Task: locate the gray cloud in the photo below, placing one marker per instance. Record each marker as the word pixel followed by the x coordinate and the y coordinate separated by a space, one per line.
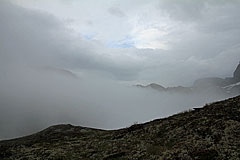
pixel 37 38
pixel 184 10
pixel 40 39
pixel 192 11
pixel 116 12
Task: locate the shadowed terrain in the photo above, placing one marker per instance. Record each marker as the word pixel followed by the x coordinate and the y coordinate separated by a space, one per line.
pixel 211 132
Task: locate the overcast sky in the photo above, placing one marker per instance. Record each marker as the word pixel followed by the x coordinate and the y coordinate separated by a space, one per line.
pixel 171 42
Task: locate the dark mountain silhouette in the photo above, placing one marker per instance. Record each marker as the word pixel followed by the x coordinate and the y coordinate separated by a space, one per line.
pixel 152 86
pixel 236 74
pixel 208 133
pixel 229 86
pixel 178 89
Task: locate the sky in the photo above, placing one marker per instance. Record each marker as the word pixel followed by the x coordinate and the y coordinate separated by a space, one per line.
pixel 74 61
pixel 171 42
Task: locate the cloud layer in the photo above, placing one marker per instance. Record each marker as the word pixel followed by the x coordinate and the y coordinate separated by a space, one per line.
pixel 155 40
pixel 68 63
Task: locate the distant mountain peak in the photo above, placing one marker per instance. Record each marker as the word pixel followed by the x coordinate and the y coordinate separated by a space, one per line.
pixel 236 74
pixel 152 86
pixel 229 86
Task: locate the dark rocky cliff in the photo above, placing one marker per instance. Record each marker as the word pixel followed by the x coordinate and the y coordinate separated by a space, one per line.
pixel 236 74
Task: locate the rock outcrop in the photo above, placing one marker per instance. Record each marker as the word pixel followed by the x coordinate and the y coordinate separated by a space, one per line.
pixel 236 74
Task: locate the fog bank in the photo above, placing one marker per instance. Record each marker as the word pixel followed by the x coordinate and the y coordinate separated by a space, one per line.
pixel 35 98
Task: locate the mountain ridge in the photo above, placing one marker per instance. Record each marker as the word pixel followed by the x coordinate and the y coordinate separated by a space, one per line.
pixel 216 83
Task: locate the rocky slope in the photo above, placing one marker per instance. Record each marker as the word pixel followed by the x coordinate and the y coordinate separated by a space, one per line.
pixel 211 132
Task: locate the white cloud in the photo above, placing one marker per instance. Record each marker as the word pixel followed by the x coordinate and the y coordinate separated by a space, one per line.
pixel 149 38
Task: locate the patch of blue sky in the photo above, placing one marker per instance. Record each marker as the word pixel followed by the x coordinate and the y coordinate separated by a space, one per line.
pixel 89 36
pixel 127 42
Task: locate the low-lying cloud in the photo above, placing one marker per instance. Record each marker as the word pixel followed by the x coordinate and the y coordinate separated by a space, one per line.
pixel 32 99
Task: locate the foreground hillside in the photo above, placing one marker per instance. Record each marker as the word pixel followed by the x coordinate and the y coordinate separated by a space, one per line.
pixel 211 132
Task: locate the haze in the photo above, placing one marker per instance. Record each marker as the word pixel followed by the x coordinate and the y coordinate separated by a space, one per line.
pixel 77 61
